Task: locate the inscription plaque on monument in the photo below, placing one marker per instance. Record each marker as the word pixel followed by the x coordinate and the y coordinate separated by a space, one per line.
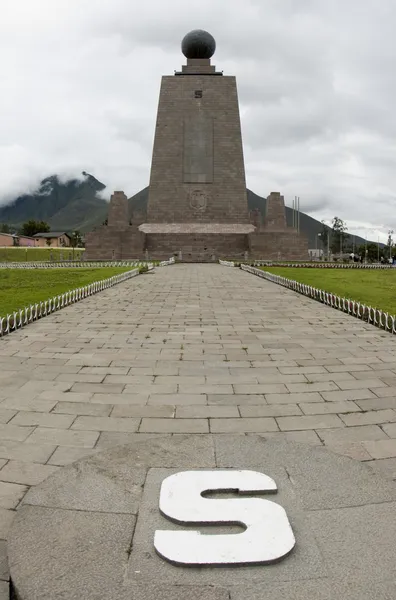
pixel 198 149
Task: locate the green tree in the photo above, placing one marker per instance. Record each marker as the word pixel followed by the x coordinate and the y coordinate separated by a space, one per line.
pixel 30 228
pixel 48 242
pixel 324 236
pixel 76 239
pixel 4 228
pixel 372 254
pixel 338 231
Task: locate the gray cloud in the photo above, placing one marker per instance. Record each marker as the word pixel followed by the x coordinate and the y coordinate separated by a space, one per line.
pixel 315 79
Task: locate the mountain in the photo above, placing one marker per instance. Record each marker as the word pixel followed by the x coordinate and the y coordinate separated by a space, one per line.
pixel 76 205
pixel 65 206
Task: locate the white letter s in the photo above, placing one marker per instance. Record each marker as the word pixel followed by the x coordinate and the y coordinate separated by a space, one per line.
pixel 268 536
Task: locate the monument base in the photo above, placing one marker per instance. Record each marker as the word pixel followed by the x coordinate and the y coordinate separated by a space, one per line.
pixel 113 243
pixel 198 241
pixel 285 244
pixel 89 530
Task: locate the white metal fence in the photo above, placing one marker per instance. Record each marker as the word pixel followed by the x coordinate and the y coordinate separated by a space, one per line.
pixel 375 316
pixel 73 265
pixel 165 263
pixel 319 265
pixel 227 263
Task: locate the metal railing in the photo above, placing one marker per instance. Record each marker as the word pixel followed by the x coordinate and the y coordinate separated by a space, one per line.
pixel 227 263
pixel 320 265
pixel 73 264
pixel 371 315
pixel 165 263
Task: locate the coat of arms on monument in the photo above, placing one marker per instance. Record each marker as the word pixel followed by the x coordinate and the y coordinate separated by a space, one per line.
pixel 198 200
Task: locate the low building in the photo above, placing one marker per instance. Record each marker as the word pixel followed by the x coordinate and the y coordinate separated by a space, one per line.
pixel 53 239
pixel 7 240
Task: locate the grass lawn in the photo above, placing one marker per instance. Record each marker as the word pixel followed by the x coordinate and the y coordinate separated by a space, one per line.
pixel 372 287
pixel 20 254
pixel 20 288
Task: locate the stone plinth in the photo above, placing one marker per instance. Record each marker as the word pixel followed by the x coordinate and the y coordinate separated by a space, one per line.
pixel 278 245
pixel 274 240
pixel 118 211
pixel 88 531
pixel 117 240
pixel 275 218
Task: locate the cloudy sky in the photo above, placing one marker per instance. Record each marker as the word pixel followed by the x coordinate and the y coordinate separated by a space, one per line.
pixel 316 80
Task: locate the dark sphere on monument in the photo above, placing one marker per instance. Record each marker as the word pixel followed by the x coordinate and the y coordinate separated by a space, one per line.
pixel 198 44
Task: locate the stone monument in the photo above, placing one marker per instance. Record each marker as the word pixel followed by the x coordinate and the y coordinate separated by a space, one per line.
pixel 197 203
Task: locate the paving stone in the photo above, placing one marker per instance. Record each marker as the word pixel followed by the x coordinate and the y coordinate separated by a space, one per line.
pixel 386 392
pixel 204 412
pixel 377 403
pixel 352 434
pixel 151 388
pixel 25 452
pixel 81 378
pixel 110 439
pixel 320 589
pixel 309 387
pixel 176 399
pixel 65 456
pixel 136 411
pixel 126 399
pixel 309 422
pixel 241 425
pixel 99 388
pixel 355 450
pixel 294 398
pixel 362 383
pixel 14 433
pixel 174 426
pixel 64 437
pixel 373 417
pixel 11 494
pixel 303 437
pixel 4 571
pixel 390 430
pixel 25 473
pixel 6 519
pixel 306 466
pixel 236 399
pixel 34 404
pixel 25 418
pixel 274 410
pixel 88 548
pixel 348 368
pixel 324 408
pixel 385 467
pixel 83 408
pixel 6 414
pixel 367 533
pixel 347 395
pixel 333 377
pixel 106 424
pixel 261 388
pixel 4 590
pixel 381 448
pixel 65 396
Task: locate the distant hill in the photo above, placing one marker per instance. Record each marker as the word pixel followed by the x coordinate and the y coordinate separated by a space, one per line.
pixel 76 205
pixel 65 206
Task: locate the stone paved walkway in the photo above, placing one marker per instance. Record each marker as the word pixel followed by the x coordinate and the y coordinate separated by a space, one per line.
pixel 191 349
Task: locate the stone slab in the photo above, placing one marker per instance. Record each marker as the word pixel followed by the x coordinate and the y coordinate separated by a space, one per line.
pixel 75 534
